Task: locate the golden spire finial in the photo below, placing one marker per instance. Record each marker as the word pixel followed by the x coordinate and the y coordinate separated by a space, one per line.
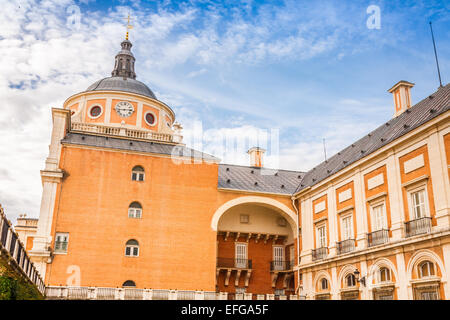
pixel 129 26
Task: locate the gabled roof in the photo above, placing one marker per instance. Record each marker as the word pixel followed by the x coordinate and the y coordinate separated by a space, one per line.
pixel 135 145
pixel 422 112
pixel 234 177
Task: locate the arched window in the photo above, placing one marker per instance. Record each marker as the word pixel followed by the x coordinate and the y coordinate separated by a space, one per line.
pixel 350 280
pixel 135 210
pixel 426 269
pixel 324 284
pixel 129 283
pixel 132 248
pixel 137 174
pixel 384 275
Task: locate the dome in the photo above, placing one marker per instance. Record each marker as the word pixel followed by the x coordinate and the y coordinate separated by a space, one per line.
pixel 122 84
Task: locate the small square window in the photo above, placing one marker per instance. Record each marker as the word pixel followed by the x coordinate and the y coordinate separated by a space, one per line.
pixel 61 242
pixel 281 222
pixel 245 218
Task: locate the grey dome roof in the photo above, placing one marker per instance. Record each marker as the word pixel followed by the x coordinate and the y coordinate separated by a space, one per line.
pixel 122 84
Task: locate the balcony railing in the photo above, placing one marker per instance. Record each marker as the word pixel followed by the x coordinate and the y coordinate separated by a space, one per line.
pixel 320 253
pixel 345 246
pixel 234 263
pixel 281 265
pixel 377 237
pixel 98 293
pixel 418 226
pixel 124 132
pixel 12 247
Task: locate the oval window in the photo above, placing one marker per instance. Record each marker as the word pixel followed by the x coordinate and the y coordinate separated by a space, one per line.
pixel 95 111
pixel 150 118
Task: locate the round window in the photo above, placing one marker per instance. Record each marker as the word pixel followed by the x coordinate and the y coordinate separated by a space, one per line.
pixel 150 118
pixel 95 111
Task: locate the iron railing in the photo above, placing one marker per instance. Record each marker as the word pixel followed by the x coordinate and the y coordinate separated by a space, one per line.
pixel 418 226
pixel 345 246
pixel 377 237
pixel 320 253
pixel 234 263
pixel 281 265
pixel 11 246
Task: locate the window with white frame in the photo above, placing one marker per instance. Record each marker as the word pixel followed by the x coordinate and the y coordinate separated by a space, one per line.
pixel 418 203
pixel 241 255
pixel 135 210
pixel 244 218
pixel 61 242
pixel 137 174
pixel 321 232
pixel 323 284
pixel 384 275
pixel 347 227
pixel 278 257
pixel 350 281
pixel 132 248
pixel 426 269
pixel 378 216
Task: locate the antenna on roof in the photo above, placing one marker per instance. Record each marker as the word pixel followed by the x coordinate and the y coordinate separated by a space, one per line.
pixel 324 149
pixel 435 55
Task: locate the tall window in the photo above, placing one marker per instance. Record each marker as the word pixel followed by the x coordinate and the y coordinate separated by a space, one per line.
pixel 137 174
pixel 418 204
pixel 132 248
pixel 384 275
pixel 324 284
pixel 135 210
pixel 426 269
pixel 350 280
pixel 321 236
pixel 241 255
pixel 347 227
pixel 278 257
pixel 378 217
pixel 61 242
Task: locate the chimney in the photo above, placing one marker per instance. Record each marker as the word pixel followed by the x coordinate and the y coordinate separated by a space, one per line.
pixel 256 156
pixel 402 96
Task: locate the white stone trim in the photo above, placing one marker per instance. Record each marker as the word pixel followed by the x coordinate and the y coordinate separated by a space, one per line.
pixel 282 209
pixel 375 181
pixel 414 163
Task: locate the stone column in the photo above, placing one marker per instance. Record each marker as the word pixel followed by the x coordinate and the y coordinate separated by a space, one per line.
pixel 395 196
pixel 438 168
pixel 51 176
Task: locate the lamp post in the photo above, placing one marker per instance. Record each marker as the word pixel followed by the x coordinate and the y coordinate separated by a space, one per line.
pixel 361 280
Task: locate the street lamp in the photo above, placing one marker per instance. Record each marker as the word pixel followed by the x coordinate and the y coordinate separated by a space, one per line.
pixel 361 280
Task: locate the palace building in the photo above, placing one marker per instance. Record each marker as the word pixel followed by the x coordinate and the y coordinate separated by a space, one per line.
pixel 128 211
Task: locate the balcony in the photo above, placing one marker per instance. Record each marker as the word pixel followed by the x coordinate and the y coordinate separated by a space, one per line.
pixel 230 263
pixel 319 254
pixel 281 265
pixel 13 252
pixel 345 246
pixel 418 226
pixel 377 237
pixel 124 132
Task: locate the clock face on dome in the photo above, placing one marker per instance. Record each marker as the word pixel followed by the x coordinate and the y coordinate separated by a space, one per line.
pixel 124 109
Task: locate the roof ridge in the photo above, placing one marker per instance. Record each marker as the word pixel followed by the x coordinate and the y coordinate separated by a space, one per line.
pixel 251 167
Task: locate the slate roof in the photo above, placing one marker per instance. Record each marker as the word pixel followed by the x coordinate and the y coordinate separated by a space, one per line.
pixel 422 112
pixel 236 177
pixel 134 145
pixel 122 84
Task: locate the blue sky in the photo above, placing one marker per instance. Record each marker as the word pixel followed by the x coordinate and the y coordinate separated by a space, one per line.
pixel 310 69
